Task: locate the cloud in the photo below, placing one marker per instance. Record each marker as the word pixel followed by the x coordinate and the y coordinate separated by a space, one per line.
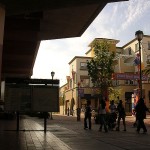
pixel 117 20
pixel 134 12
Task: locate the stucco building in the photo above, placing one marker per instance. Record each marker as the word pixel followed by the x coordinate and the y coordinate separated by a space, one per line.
pixel 79 88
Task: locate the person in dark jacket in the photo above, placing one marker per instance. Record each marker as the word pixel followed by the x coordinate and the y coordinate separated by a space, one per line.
pixel 121 115
pixel 87 116
pixel 140 110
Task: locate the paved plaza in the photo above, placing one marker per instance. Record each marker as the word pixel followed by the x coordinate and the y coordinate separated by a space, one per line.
pixel 66 133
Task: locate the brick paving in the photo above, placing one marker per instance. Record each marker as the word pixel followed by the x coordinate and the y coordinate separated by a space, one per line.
pixel 66 133
pixel 30 137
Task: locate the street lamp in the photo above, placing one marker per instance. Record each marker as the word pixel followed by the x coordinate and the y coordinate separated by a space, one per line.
pixel 78 109
pixel 139 36
pixel 52 75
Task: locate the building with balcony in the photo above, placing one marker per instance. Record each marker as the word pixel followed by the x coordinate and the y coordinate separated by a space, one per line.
pixel 79 87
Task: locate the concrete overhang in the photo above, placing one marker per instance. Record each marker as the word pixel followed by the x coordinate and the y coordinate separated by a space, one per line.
pixel 27 22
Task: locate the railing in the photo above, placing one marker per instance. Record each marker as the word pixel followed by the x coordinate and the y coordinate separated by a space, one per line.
pixel 128 64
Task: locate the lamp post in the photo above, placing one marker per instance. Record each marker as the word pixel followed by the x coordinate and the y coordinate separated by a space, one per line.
pixel 52 75
pixel 139 36
pixel 78 109
pixel 63 102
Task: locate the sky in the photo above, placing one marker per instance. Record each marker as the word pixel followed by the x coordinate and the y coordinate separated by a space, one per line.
pixel 119 20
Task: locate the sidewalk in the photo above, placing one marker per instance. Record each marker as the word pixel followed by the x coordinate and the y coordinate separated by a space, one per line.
pixel 65 133
pixel 30 137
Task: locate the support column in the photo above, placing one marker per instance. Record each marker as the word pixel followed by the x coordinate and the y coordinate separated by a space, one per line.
pixel 2 22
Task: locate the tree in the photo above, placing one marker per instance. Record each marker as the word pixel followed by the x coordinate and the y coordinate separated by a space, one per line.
pixel 146 71
pixel 114 94
pixel 100 68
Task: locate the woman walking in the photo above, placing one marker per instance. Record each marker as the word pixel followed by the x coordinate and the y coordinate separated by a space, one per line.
pixel 102 114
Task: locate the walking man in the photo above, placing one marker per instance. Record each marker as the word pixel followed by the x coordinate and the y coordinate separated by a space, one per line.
pixel 140 110
pixel 87 116
pixel 121 115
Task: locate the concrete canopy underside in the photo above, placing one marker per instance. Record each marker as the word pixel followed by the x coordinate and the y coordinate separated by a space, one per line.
pixel 27 22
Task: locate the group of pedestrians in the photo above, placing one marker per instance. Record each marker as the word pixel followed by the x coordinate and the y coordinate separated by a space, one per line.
pixel 117 112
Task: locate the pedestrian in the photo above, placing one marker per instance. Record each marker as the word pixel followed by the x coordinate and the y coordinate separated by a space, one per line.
pixel 112 116
pixel 102 115
pixel 87 116
pixel 68 111
pixel 121 115
pixel 140 110
pixel 134 114
pixel 112 107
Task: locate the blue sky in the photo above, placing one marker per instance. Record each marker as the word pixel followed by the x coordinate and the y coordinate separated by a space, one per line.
pixel 119 20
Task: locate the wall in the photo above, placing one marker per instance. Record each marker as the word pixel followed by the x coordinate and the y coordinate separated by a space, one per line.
pixel 2 20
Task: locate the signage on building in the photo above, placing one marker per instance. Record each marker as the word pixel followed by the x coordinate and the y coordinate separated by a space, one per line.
pixel 81 92
pixel 128 76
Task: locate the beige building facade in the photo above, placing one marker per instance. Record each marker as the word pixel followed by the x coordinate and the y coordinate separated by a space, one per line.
pixel 79 88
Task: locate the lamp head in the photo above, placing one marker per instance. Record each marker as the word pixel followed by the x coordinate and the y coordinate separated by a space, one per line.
pixel 139 35
pixel 52 73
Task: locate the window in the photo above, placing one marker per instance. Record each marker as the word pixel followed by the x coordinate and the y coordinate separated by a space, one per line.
pixel 136 82
pixel 148 79
pixel 148 45
pixel 70 83
pixel 148 60
pixel 126 81
pixel 129 51
pixel 129 82
pixel 115 82
pixel 136 47
pixel 83 65
pixel 149 95
pixel 85 81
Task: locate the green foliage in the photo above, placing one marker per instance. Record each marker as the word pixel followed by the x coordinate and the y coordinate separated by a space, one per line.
pixel 100 68
pixel 146 71
pixel 114 94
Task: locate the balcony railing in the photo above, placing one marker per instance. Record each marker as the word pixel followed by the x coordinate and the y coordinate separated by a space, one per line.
pixel 128 64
